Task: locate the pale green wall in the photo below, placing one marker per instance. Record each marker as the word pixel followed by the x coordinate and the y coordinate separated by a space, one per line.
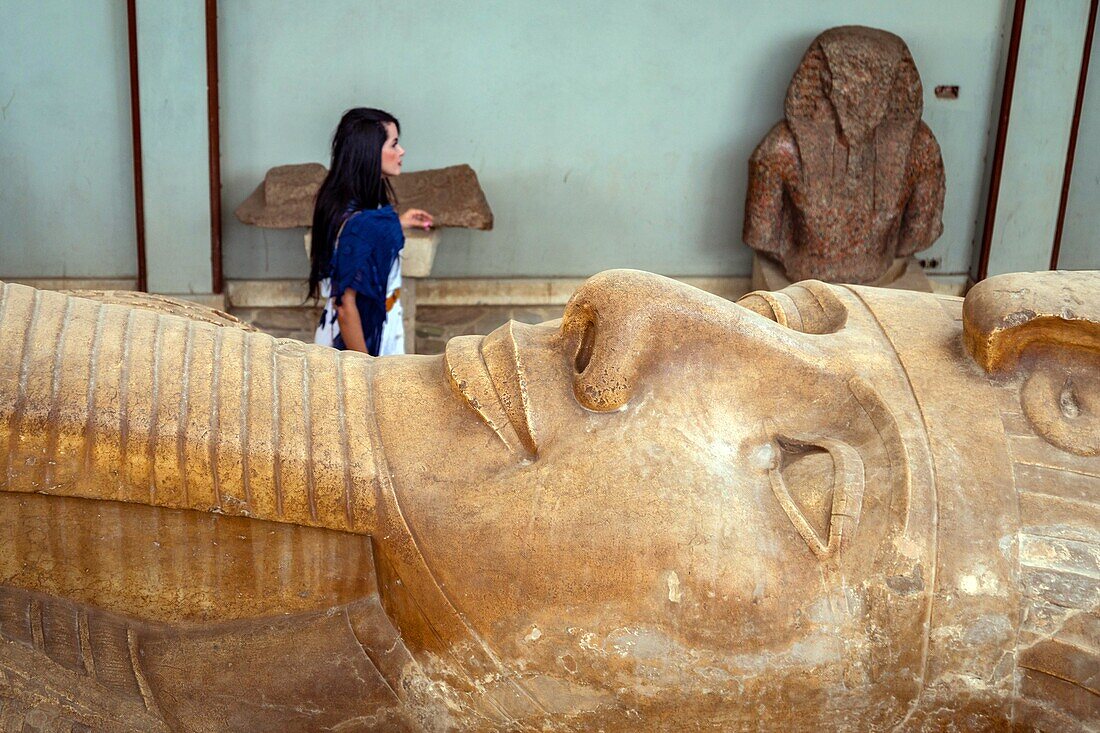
pixel 1038 135
pixel 66 177
pixel 611 134
pixel 1081 237
pixel 174 144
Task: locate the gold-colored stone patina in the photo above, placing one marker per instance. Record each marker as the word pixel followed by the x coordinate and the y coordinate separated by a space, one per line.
pixel 813 510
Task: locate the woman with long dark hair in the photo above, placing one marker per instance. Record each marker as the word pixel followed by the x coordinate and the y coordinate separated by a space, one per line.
pixel 357 237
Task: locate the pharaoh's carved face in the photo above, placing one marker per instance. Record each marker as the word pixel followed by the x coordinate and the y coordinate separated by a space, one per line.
pixel 665 511
pixel 665 482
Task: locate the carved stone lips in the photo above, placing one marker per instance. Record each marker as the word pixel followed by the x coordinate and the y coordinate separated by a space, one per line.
pixel 488 373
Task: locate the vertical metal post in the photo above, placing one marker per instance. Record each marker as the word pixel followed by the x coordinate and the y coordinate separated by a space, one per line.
pixel 214 136
pixel 135 129
pixel 1002 136
pixel 1071 151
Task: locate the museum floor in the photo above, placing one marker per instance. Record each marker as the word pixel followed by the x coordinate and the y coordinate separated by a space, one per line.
pixel 435 324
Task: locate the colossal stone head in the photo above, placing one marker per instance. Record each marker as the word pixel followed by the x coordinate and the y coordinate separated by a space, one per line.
pixel 852 178
pixel 828 507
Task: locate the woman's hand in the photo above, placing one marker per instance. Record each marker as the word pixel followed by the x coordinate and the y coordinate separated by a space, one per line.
pixel 416 219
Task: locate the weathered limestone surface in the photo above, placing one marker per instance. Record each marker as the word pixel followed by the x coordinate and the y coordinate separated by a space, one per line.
pixel 162 304
pixel 452 195
pixel 285 198
pixel 852 178
pixel 824 508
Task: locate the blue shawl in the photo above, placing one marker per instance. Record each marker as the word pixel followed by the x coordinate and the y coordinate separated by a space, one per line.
pixel 364 256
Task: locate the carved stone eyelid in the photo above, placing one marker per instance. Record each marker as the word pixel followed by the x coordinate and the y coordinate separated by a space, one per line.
pixel 770 305
pixel 847 503
pixel 807 307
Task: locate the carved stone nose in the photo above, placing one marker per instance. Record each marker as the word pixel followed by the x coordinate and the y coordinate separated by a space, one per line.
pixel 621 321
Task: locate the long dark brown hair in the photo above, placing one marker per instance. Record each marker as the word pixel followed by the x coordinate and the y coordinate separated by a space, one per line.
pixel 354 178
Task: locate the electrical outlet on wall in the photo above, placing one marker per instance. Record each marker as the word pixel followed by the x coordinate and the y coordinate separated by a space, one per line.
pixel 930 263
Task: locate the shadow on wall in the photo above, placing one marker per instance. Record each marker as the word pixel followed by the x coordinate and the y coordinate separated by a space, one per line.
pixel 255 249
pixel 767 85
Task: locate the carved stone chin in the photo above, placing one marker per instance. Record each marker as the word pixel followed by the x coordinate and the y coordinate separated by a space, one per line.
pixel 825 508
pixel 852 179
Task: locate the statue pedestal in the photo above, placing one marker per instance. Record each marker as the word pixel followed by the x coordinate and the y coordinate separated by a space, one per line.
pixel 416 263
pixel 904 274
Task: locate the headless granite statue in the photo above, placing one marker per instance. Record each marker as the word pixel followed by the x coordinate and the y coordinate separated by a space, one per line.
pixel 826 508
pixel 852 179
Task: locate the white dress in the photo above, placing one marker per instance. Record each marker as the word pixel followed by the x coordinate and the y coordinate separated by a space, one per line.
pixel 393 328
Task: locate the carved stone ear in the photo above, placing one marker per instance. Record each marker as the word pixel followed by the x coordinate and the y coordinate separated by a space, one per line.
pixel 823 503
pixel 1061 400
pixel 1046 327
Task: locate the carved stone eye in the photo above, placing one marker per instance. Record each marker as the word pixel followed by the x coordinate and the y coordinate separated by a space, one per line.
pixel 819 483
pixel 807 473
